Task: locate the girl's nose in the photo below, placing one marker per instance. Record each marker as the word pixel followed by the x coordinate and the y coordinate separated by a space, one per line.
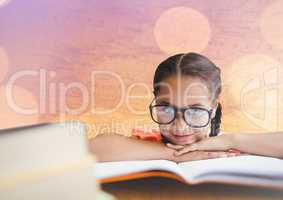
pixel 180 125
pixel 179 116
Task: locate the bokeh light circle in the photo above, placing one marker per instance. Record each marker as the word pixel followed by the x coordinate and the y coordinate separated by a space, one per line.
pixel 182 29
pixel 4 64
pixel 271 24
pixel 4 2
pixel 253 92
pixel 23 99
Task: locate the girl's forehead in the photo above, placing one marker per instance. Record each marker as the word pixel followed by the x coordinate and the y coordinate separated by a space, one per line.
pixel 184 91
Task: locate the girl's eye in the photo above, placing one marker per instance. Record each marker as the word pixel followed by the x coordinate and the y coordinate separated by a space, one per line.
pixel 168 110
pixel 195 111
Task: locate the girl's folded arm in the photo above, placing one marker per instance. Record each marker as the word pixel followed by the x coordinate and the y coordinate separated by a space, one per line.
pixel 266 144
pixel 113 147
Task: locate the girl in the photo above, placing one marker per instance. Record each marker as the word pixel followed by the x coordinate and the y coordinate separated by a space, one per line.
pixel 186 90
pixel 186 107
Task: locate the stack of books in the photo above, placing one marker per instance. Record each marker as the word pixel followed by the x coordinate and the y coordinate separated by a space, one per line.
pixel 47 161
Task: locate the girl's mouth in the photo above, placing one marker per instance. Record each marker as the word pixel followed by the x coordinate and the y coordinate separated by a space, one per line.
pixel 183 137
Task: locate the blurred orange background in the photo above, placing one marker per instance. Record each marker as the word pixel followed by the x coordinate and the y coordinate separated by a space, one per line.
pixel 50 51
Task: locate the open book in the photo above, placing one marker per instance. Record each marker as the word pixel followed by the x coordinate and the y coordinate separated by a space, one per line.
pixel 241 170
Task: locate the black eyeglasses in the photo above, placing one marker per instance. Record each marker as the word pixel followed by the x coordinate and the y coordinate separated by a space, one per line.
pixel 195 117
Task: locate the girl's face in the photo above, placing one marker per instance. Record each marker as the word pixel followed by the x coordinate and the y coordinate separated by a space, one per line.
pixel 186 92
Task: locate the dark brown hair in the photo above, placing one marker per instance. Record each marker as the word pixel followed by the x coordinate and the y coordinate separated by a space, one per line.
pixel 193 64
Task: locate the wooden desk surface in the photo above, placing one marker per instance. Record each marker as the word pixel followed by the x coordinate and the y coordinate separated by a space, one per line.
pixel 165 189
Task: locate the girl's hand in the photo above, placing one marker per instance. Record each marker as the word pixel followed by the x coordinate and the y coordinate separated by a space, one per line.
pixel 198 154
pixel 219 143
pixel 203 155
pixel 174 146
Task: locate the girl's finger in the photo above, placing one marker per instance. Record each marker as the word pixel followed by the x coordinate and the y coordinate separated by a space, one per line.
pixel 186 149
pixel 174 146
pixel 217 154
pixel 203 155
pixel 237 152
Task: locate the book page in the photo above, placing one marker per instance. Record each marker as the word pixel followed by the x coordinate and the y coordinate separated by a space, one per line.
pixel 241 168
pixel 113 169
